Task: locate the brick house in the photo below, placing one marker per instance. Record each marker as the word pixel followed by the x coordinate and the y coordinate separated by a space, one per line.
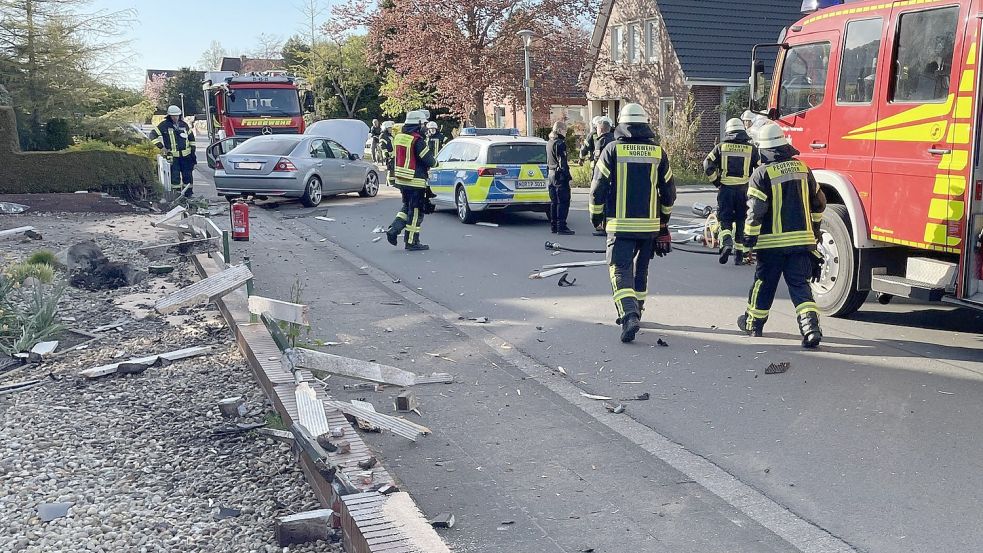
pixel 569 105
pixel 242 64
pixel 657 52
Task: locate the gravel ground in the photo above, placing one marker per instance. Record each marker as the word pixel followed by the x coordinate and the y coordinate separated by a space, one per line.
pixel 137 455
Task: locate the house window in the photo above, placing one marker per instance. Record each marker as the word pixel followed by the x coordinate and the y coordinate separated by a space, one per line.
pixel 617 36
pixel 653 53
pixel 666 108
pixel 634 42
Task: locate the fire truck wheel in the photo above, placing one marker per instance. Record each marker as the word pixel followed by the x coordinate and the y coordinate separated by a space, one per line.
pixel 371 186
pixel 836 293
pixel 312 193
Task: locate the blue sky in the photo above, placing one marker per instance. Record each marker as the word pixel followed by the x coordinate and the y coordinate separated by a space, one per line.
pixel 172 34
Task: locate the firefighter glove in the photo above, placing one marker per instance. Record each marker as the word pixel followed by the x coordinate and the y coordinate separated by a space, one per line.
pixel 663 242
pixel 817 265
pixel 750 242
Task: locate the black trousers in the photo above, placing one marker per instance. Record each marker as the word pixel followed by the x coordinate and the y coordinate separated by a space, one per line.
pixel 410 216
pixel 773 264
pixel 628 263
pixel 182 170
pixel 731 212
pixel 559 205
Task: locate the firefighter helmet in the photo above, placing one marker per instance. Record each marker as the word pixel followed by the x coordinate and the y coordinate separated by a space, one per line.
pixel 633 113
pixel 415 118
pixel 747 115
pixel 173 110
pixel 771 135
pixel 734 125
pixel 387 124
pixel 595 120
pixel 605 119
pixel 432 125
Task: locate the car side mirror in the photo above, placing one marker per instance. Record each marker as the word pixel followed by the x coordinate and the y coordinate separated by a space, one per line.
pixel 353 157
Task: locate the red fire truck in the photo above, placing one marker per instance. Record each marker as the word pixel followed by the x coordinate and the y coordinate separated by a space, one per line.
pixel 243 106
pixel 882 99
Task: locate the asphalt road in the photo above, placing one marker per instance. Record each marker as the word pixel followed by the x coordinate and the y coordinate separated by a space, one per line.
pixel 872 437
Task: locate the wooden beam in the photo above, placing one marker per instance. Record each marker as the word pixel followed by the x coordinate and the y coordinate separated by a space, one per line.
pixel 191 247
pixel 103 370
pixel 14 231
pixel 206 290
pixel 169 215
pixel 280 310
pixel 362 370
pixel 574 264
pixel 396 425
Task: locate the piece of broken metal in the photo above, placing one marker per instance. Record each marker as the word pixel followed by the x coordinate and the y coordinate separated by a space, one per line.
pixel 563 282
pixel 777 368
pixel 363 370
pixel 616 409
pixel 662 343
pixel 547 274
pixel 300 528
pixel 396 425
pixel 595 397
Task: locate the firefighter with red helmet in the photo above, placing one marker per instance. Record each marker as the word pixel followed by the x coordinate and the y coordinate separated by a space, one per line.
pixel 634 190
pixel 412 160
pixel 729 166
pixel 785 209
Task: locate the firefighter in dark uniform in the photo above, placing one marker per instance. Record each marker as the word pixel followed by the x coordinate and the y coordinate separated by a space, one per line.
pixel 176 142
pixel 785 209
pixel 375 131
pixel 386 148
pixel 587 148
pixel 558 167
pixel 412 162
pixel 435 138
pixel 634 190
pixel 605 135
pixel 729 166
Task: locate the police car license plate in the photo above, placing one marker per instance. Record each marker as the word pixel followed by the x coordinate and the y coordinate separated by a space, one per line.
pixel 249 165
pixel 530 184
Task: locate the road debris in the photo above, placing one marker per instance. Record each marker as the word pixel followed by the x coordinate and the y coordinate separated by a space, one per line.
pixel 564 283
pixel 187 248
pixel 42 349
pixel 10 233
pixel 662 343
pixel 486 224
pixel 595 397
pixel 378 230
pixel 396 425
pixel 443 520
pixel 363 370
pixel 238 428
pixel 562 371
pixel 547 274
pixel 376 239
pixel 232 407
pixel 571 264
pixel 367 464
pixel 616 409
pixel 227 512
pixel 406 401
pixel 205 290
pixel 103 370
pixel 362 423
pixel 19 386
pixel 51 511
pixel 326 219
pixel 300 528
pixel 777 368
pixel 10 208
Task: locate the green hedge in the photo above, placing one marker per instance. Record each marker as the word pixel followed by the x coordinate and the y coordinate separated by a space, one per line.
pixel 68 171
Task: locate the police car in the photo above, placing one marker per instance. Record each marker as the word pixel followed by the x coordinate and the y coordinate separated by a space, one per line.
pixel 491 170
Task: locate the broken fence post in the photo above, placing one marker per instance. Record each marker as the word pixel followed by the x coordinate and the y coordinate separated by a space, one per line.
pixel 205 290
pixel 226 248
pixel 280 310
pixel 188 247
pixel 363 370
pixel 103 370
pixel 406 401
pixel 249 286
pixel 279 338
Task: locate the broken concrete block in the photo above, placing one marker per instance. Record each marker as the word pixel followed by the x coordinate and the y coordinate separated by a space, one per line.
pixel 367 463
pixel 344 446
pixel 387 489
pixel 338 432
pixel 232 407
pixel 304 527
pixel 324 440
pixel 443 520
pixel 406 401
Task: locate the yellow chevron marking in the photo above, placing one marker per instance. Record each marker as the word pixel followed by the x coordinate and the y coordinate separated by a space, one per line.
pixel 925 132
pixel 919 113
pixel 912 244
pixel 964 107
pixel 968 80
pixel 945 210
pixel 959 133
pixel 971 58
pixel 949 185
pixel 937 233
pixel 955 161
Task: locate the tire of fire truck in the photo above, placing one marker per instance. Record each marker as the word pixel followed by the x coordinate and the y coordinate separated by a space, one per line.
pixel 836 293
pixel 313 193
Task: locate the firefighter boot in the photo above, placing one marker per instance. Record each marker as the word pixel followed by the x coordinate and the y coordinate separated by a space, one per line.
pixel 756 328
pixel 392 236
pixel 726 247
pixel 738 258
pixel 809 327
pixel 415 245
pixel 629 327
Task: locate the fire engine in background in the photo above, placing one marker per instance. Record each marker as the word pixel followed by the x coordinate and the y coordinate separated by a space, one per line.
pixel 882 99
pixel 243 106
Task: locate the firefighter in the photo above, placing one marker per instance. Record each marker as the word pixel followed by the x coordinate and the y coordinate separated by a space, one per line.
pixel 559 179
pixel 176 142
pixel 435 138
pixel 634 189
pixel 729 167
pixel 386 150
pixel 587 148
pixel 605 135
pixel 412 160
pixel 376 133
pixel 785 209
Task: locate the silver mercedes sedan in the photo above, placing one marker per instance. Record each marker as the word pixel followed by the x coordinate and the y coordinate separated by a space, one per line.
pixel 294 166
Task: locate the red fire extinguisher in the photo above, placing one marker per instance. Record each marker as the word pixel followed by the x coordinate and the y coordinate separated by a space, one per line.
pixel 239 212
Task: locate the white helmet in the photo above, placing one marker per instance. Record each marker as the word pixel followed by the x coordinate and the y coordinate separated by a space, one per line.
pixel 605 119
pixel 416 117
pixel 432 125
pixel 747 115
pixel 173 110
pixel 387 125
pixel 633 113
pixel 734 125
pixel 594 120
pixel 771 135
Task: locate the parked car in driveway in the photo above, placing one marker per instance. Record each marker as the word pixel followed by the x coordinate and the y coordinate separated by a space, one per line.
pixel 307 167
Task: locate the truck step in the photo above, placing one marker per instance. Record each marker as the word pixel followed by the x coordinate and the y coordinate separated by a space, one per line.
pixel 932 272
pixel 906 288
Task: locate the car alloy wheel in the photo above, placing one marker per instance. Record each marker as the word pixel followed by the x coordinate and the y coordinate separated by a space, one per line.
pixel 371 187
pixel 464 212
pixel 314 192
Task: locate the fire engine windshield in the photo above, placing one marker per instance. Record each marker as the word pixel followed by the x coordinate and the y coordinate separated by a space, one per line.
pixel 248 102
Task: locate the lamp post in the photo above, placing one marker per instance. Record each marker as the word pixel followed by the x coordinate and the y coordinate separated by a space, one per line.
pixel 181 94
pixel 527 35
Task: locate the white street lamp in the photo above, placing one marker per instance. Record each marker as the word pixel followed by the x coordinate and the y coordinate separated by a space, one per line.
pixel 527 35
pixel 182 103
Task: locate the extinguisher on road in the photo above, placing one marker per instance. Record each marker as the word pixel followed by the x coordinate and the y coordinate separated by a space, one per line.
pixel 239 213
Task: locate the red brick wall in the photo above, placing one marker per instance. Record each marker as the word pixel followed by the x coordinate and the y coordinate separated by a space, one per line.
pixel 707 106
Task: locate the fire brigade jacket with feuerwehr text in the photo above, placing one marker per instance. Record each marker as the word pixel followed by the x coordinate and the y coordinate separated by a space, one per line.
pixel 785 204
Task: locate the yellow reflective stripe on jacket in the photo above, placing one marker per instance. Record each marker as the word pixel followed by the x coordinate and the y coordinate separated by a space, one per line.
pixel 788 239
pixel 595 209
pixel 742 151
pixel 406 174
pixel 752 230
pixel 752 191
pixel 627 224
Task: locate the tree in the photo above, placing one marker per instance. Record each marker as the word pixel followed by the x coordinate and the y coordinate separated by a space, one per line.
pixel 472 52
pixel 185 81
pixel 736 102
pixel 268 47
pixel 400 96
pixel 211 59
pixel 54 57
pixel 348 73
pixel 153 89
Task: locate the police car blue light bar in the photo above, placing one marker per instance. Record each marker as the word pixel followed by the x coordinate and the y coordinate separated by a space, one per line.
pixel 809 6
pixel 486 131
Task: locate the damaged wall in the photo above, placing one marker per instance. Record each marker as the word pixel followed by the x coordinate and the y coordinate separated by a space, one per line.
pixel 37 172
